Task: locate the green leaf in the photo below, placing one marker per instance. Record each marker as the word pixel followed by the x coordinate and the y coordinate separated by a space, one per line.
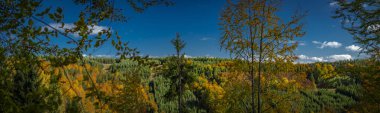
pixel 51 16
pixel 30 22
pixel 62 25
pixel 113 42
pixel 59 10
pixel 97 44
pixel 46 29
pixel 44 12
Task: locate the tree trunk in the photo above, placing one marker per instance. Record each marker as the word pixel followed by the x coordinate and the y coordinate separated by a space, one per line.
pixel 251 63
pixel 180 82
pixel 260 61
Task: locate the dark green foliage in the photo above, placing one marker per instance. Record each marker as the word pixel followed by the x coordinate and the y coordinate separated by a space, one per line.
pixel 353 91
pixel 171 72
pixel 162 87
pixel 208 60
pixel 25 92
pixel 324 100
pixel 73 106
pixel 28 93
pixel 339 81
pixel 171 105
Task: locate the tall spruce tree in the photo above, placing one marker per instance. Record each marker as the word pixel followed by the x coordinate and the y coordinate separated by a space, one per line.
pixel 179 72
pixel 179 45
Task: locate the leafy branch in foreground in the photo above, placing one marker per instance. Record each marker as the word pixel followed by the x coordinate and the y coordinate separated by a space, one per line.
pixel 27 34
pixel 361 19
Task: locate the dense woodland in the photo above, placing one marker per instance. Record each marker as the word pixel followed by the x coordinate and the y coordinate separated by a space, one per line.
pixel 211 85
pixel 39 76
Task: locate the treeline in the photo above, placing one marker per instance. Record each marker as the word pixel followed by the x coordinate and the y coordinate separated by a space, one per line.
pixel 212 85
pixel 219 86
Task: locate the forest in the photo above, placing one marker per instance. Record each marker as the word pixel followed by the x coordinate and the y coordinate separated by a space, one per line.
pixel 39 75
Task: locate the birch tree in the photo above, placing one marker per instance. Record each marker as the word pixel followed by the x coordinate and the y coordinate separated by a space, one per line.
pixel 252 32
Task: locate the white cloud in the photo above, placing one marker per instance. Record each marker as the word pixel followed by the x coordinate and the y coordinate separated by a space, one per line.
pixel 332 4
pixel 209 56
pixel 301 43
pixel 95 29
pixel 353 48
pixel 332 44
pixel 316 42
pixel 157 56
pixel 334 58
pixel 331 58
pixel 188 56
pixel 306 59
pixel 373 27
pixel 319 59
pixel 302 57
pixel 105 56
pixel 324 44
pixel 59 26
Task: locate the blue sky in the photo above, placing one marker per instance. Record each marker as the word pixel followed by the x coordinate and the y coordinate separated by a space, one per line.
pixel 197 22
